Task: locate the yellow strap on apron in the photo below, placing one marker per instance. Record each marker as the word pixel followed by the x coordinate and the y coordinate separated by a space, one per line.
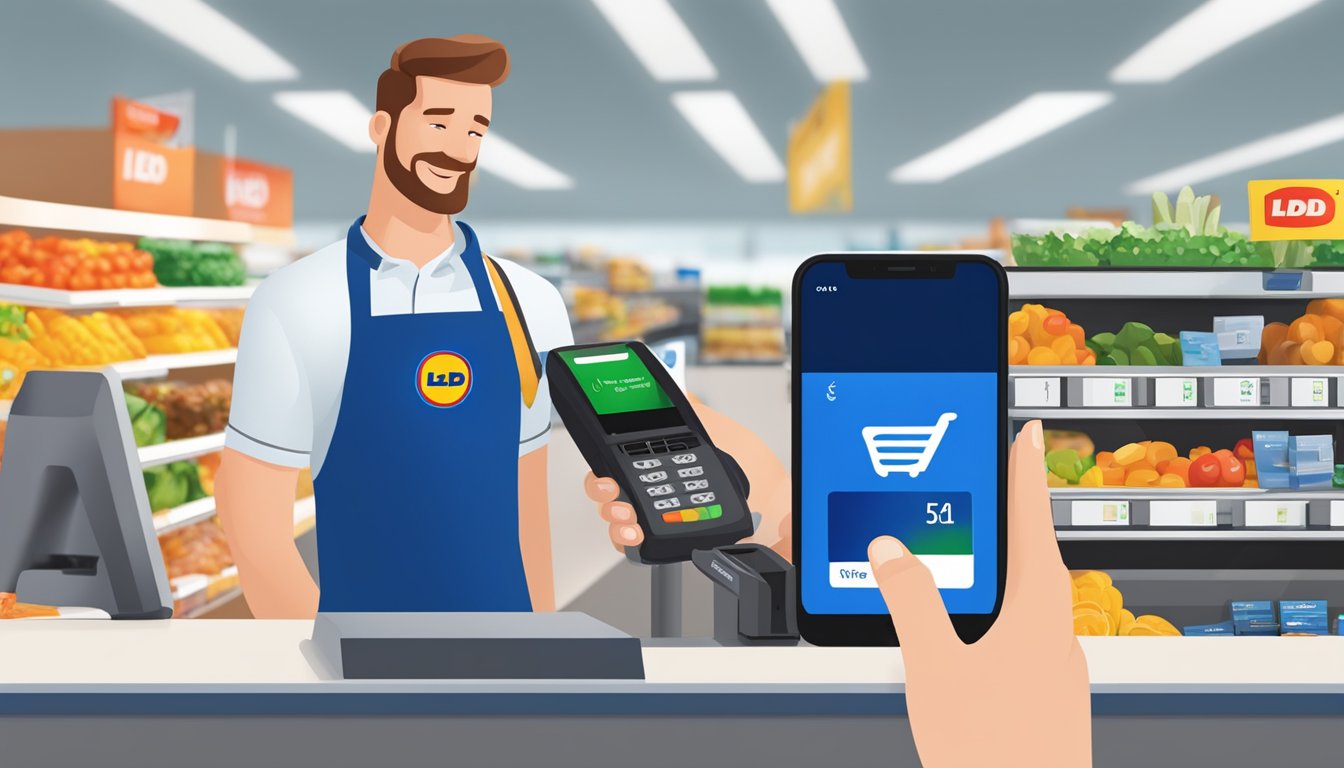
pixel 524 353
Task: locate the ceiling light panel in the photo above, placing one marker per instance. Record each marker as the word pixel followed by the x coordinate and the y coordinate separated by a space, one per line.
pixel 724 124
pixel 1025 121
pixel 212 36
pixel 659 39
pixel 819 33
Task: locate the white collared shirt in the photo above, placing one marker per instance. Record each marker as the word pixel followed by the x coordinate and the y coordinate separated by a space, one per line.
pixel 296 342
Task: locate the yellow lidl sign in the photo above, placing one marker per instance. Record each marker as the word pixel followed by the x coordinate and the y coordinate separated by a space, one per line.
pixel 1297 209
pixel 820 177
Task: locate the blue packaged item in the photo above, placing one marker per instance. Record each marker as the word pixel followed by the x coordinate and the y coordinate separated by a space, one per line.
pixel 1303 617
pixel 1311 459
pixel 1339 624
pixel 1200 348
pixel 1197 630
pixel 1239 337
pixel 1272 467
pixel 1254 617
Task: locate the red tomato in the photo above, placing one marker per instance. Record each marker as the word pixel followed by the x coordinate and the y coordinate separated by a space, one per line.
pixel 1231 470
pixel 1245 449
pixel 1056 325
pixel 1206 471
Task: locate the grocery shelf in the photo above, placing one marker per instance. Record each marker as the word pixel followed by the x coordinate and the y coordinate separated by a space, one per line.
pixel 1197 371
pixel 188 514
pixel 1083 283
pixel 176 450
pixel 1124 492
pixel 1212 414
pixel 124 297
pixel 156 366
pixel 40 214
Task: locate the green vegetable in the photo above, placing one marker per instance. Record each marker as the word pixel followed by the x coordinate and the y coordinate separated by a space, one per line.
pixel 1066 463
pixel 181 263
pixel 1143 356
pixel 1132 336
pixel 148 422
pixel 14 323
pixel 173 485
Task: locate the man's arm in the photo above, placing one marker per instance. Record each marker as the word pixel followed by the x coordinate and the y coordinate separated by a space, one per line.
pixel 771 490
pixel 255 502
pixel 534 529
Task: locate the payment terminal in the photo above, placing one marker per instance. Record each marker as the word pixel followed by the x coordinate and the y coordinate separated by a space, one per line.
pixel 633 423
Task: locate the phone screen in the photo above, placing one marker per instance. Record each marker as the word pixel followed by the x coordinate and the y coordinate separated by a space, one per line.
pixel 900 431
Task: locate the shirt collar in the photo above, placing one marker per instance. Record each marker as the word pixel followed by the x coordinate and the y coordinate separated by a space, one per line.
pixel 377 259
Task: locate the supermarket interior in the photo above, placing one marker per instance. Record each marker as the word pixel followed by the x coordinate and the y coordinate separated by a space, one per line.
pixel 664 167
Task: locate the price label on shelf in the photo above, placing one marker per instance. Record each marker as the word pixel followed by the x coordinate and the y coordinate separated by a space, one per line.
pixel 1107 392
pixel 1336 513
pixel 1276 514
pixel 1236 391
pixel 1183 513
pixel 1310 393
pixel 1172 392
pixel 1091 512
pixel 1036 393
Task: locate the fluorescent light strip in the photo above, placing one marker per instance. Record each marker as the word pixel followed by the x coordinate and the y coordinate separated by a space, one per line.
pixel 1029 119
pixel 1266 150
pixel 659 39
pixel 213 36
pixel 724 124
pixel 504 159
pixel 336 113
pixel 822 39
pixel 1208 30
pixel 344 118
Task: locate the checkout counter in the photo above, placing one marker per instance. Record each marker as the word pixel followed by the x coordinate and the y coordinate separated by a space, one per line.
pixel 238 693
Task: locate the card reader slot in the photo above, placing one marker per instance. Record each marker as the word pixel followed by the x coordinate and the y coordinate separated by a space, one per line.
pixel 673 444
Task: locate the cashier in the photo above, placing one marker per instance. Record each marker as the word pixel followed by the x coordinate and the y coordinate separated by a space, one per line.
pixel 403 365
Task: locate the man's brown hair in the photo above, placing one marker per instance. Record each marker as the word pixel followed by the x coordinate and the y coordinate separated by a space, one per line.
pixel 464 58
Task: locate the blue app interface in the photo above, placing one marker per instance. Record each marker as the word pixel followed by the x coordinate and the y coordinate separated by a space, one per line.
pixel 899 403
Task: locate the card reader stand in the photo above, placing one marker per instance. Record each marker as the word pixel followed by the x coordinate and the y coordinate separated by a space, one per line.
pixel 755 591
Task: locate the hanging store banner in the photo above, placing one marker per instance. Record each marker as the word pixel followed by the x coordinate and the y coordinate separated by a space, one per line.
pixel 1296 209
pixel 820 149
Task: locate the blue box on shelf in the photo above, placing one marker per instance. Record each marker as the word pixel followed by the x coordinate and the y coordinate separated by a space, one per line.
pixel 1312 461
pixel 1304 617
pixel 1225 628
pixel 1200 348
pixel 1254 617
pixel 1272 467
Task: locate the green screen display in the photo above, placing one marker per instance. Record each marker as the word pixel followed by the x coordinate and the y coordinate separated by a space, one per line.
pixel 615 379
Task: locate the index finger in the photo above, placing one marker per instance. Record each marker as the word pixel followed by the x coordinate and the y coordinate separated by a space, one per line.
pixel 1033 549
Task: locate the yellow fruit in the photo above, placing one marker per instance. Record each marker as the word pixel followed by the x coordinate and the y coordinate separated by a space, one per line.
pixel 1042 356
pixel 1153 625
pixel 1126 622
pixel 1066 349
pixel 1088 605
pixel 1100 579
pixel 1089 622
pixel 1170 480
pixel 1141 478
pixel 1073 592
pixel 1091 478
pixel 1317 352
pixel 1130 454
pixel 1159 452
pixel 1017 323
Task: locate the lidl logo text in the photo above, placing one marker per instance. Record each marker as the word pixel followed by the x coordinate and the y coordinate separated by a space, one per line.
pixel 443 379
pixel 1299 207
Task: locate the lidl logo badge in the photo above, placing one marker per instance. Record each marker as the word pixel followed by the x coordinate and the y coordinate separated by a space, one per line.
pixel 443 379
pixel 1296 209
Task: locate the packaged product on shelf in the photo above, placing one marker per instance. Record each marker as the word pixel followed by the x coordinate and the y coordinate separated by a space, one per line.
pixel 1311 459
pixel 175 331
pixel 1222 628
pixel 629 276
pixel 1254 617
pixel 591 304
pixel 196 549
pixel 173 485
pixel 1200 348
pixel 1239 336
pixel 192 410
pixel 1038 335
pixel 1098 609
pixel 1135 344
pixel 1271 458
pixel 73 264
pixel 183 263
pixel 147 421
pixel 1303 617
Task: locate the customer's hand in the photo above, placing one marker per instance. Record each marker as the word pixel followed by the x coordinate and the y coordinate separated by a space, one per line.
pixel 622 526
pixel 1018 696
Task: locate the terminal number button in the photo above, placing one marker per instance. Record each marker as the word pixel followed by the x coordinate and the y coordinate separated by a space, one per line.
pixel 690 472
pixel 684 458
pixel 702 498
pixel 653 477
pixel 647 463
pixel 696 485
pixel 658 490
pixel 671 503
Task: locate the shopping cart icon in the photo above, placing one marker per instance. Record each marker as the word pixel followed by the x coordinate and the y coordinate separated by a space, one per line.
pixel 905 449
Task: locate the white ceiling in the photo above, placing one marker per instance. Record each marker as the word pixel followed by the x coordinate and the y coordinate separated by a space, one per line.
pixel 579 100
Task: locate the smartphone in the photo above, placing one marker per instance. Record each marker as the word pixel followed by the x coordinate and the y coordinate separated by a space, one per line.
pixel 900 428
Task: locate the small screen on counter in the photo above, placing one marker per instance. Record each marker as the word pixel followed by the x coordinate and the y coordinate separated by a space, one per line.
pixel 615 380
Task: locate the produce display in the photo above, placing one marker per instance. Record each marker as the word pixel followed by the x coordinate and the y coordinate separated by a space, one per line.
pixel 230 322
pixel 1099 610
pixel 183 263
pixel 46 338
pixel 11 608
pixel 743 323
pixel 191 410
pixel 207 467
pixel 1315 338
pixel 173 330
pixel 1070 460
pixel 147 421
pixel 70 264
pixel 1136 344
pixel 1038 335
pixel 626 275
pixel 201 548
pixel 173 485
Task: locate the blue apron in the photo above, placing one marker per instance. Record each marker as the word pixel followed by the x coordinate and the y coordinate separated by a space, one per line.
pixel 417 499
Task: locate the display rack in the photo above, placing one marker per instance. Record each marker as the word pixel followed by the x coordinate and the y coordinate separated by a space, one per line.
pixel 63 217
pixel 1226 531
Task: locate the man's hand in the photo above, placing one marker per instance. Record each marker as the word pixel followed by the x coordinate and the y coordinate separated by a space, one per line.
pixel 1018 696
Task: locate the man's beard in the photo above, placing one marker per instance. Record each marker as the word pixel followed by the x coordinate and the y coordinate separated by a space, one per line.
pixel 415 190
